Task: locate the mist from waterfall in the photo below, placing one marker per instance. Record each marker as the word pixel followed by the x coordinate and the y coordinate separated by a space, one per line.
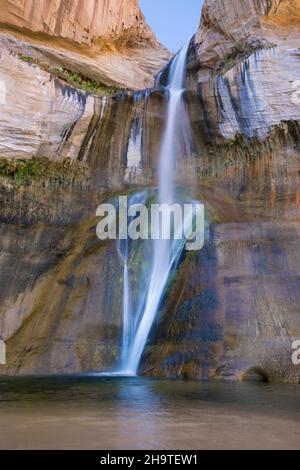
pixel 161 256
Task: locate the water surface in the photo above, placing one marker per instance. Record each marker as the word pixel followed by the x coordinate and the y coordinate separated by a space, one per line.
pixel 139 413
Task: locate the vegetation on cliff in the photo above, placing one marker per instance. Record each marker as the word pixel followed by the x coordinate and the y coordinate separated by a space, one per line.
pixel 240 52
pixel 73 78
pixel 22 172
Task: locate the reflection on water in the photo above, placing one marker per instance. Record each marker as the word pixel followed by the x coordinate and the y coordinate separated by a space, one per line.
pixel 137 413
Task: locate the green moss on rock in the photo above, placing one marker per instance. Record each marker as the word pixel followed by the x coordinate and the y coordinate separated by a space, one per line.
pixel 22 172
pixel 73 78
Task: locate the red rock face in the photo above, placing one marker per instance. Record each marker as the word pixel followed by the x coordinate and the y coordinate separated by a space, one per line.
pixel 284 13
pixel 108 39
pixel 82 22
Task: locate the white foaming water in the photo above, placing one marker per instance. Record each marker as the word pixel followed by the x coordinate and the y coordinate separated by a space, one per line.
pixel 176 118
pixel 126 314
pixel 165 252
pixel 134 151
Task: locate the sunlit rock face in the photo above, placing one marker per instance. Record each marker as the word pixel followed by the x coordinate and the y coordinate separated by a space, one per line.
pixel 227 25
pixel 244 66
pixel 253 95
pixel 108 40
pixel 82 22
pixel 232 309
pixel 38 111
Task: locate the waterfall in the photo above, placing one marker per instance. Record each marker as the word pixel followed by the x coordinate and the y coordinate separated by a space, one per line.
pixel 177 123
pixel 126 314
pixel 139 315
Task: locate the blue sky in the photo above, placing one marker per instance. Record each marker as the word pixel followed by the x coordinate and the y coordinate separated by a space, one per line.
pixel 173 21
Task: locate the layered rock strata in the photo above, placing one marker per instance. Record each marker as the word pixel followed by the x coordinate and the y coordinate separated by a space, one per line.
pixel 232 310
pixel 108 41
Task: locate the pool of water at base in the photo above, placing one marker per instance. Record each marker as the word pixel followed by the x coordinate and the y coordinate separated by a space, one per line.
pixel 126 413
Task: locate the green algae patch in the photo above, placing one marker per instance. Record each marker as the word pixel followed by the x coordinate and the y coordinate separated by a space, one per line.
pixel 73 78
pixel 23 172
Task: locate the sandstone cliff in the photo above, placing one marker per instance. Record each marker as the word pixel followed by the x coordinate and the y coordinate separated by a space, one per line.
pixel 82 22
pixel 101 47
pixel 227 31
pixel 235 305
pixel 233 308
pixel 108 40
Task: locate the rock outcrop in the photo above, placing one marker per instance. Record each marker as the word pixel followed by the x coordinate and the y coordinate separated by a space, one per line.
pixel 93 45
pixel 38 110
pixel 229 32
pixel 108 21
pixel 109 40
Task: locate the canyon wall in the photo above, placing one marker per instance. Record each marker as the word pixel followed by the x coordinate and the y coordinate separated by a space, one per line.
pixel 232 310
pixel 82 22
pixel 229 32
pixel 107 41
pixel 235 305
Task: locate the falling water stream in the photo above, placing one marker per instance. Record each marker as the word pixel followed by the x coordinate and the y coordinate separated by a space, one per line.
pixel 138 317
